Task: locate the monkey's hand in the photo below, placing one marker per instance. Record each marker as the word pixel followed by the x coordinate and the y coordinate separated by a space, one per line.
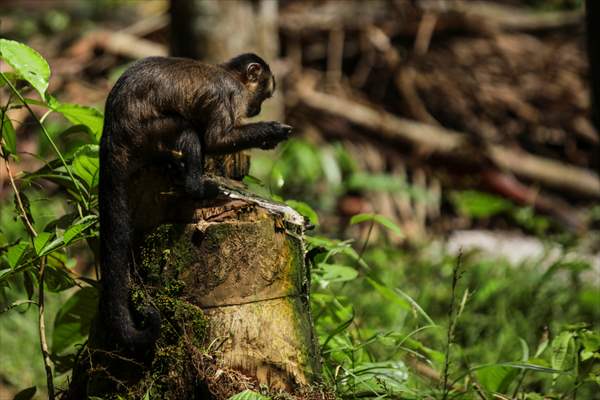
pixel 273 133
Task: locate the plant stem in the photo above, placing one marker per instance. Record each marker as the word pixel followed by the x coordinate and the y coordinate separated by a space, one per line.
pixel 41 275
pixel 42 331
pixel 28 225
pixel 48 137
pixel 451 324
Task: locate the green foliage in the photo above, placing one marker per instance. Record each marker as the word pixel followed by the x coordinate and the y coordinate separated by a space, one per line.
pixel 73 320
pixel 249 395
pixel 27 63
pixel 46 239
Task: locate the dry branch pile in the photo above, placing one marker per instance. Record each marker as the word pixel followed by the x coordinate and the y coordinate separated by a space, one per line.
pixel 449 93
pixel 473 93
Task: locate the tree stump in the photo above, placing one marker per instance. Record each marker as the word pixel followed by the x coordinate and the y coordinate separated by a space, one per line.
pixel 247 274
pixel 229 279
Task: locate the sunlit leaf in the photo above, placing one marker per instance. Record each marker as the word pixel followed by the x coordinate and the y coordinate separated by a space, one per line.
pixel 14 253
pixel 75 230
pixel 26 62
pixel 83 115
pixel 563 351
pixel 86 164
pixel 40 242
pixel 337 273
pixel 249 395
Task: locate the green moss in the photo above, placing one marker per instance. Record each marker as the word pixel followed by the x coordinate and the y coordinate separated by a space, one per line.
pixel 171 373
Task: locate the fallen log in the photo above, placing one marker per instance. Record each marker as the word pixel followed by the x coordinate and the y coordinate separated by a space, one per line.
pixel 438 140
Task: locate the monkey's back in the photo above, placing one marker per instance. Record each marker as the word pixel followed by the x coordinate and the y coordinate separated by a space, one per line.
pixel 157 97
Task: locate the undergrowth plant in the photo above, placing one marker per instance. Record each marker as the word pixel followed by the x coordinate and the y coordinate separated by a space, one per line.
pixel 38 257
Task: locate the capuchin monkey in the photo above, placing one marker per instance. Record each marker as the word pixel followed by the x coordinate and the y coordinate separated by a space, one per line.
pixel 171 112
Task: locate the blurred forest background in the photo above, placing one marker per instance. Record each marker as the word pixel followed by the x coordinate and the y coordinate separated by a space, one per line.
pixel 443 150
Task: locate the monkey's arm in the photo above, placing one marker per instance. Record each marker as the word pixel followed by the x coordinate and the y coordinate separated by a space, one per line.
pixel 265 135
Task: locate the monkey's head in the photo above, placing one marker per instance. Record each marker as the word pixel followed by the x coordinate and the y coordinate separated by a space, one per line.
pixel 256 76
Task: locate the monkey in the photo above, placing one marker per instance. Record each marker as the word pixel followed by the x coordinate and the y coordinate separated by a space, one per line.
pixel 169 111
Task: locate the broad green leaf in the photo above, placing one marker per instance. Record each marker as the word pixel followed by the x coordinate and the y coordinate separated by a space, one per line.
pixel 82 115
pixel 249 395
pixel 14 253
pixel 86 164
pixel 337 273
pixel 73 320
pixel 52 245
pixel 496 378
pixel 472 203
pixel 27 63
pixel 75 230
pixel 26 394
pixel 40 242
pixel 563 351
pixel 8 135
pixel 305 210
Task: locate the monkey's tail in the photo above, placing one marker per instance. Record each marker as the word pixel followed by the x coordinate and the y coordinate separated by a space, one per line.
pixel 115 263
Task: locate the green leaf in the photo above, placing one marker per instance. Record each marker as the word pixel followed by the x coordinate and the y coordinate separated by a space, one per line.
pixel 249 395
pixel 8 135
pixel 82 115
pixel 472 203
pixel 73 320
pixel 337 273
pixel 75 230
pixel 26 62
pixel 389 294
pixel 305 210
pixel 86 164
pixel 26 394
pixel 385 376
pixel 40 242
pixel 14 253
pixel 563 351
pixel 496 378
pixel 380 219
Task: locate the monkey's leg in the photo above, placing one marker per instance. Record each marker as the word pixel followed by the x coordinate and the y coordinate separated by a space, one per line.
pixel 264 135
pixel 192 165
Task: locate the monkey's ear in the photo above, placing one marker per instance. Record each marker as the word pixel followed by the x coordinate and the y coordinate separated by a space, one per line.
pixel 253 72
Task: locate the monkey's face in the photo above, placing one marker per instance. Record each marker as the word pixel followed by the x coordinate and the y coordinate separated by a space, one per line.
pixel 260 83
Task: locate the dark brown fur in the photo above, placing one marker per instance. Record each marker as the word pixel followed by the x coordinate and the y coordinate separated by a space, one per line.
pixel 162 107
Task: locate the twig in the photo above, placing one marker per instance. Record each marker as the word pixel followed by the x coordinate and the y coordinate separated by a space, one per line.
pixel 28 225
